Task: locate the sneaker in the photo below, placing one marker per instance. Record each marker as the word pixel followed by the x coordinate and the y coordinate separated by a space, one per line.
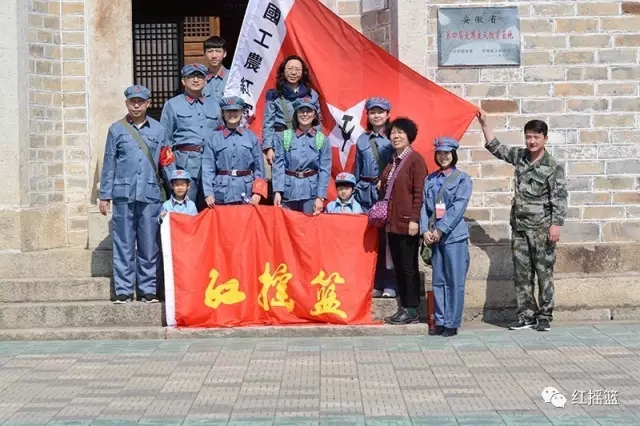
pixel 150 298
pixel 543 325
pixel 393 317
pixel 405 318
pixel 377 294
pixel 121 299
pixel 522 325
pixel 389 293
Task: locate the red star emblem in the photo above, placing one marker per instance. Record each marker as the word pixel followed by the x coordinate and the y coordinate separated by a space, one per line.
pixel 230 101
pixel 137 88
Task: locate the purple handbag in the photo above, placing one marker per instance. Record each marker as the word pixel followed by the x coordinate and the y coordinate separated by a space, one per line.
pixel 379 212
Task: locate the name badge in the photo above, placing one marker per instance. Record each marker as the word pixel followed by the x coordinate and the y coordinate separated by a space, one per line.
pixel 440 210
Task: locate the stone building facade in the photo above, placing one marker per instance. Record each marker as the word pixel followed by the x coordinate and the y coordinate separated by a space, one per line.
pixel 65 64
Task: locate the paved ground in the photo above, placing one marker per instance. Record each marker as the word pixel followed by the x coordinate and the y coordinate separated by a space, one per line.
pixel 483 376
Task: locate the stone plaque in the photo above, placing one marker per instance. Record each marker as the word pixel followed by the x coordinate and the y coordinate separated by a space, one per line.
pixel 478 36
pixel 373 5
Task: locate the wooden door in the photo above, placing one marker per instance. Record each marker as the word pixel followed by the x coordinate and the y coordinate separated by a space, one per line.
pixel 196 30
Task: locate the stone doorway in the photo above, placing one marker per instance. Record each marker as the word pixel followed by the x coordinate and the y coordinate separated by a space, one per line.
pixel 168 35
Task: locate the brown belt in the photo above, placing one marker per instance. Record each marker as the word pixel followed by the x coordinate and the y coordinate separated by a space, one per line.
pixel 279 127
pixel 189 148
pixel 300 175
pixel 234 173
pixel 371 179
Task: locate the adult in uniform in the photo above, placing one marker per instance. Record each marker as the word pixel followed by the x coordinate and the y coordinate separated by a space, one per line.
pixel 373 153
pixel 215 50
pixel 190 119
pixel 446 195
pixel 538 212
pixel 302 163
pixel 137 159
pixel 232 164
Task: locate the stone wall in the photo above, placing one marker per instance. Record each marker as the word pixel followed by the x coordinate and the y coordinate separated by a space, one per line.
pixel 580 72
pixel 376 26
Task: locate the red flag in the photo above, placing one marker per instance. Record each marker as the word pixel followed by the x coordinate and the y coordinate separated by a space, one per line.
pixel 280 268
pixel 346 69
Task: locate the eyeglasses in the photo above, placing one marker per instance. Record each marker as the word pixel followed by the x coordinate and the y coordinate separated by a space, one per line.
pixel 195 77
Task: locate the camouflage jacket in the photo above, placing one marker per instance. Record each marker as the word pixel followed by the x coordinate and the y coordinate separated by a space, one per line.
pixel 540 188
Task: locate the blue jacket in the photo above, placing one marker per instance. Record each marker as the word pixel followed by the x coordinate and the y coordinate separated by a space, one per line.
pixel 190 122
pixel 301 156
pixel 216 84
pixel 456 196
pixel 127 173
pixel 351 206
pixel 231 150
pixel 274 115
pixel 367 166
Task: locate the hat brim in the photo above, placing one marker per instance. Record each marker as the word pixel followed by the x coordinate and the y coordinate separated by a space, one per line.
pixel 381 106
pixel 345 182
pixel 445 148
pixel 231 108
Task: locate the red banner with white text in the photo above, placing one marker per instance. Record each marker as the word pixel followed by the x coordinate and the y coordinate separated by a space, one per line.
pixel 244 265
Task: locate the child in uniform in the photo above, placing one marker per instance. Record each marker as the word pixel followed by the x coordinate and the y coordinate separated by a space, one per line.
pixel 179 201
pixel 346 202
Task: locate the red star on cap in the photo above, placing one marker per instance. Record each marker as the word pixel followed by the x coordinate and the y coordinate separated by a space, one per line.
pixel 137 88
pixel 178 172
pixel 230 101
pixel 305 99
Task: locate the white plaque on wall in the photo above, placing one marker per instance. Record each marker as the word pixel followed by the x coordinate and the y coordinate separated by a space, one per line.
pixel 373 5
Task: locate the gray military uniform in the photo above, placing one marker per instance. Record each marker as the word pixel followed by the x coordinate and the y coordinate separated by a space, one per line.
pixel 540 201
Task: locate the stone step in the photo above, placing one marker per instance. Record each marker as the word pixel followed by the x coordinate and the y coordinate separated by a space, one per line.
pixel 79 314
pixel 56 263
pixel 54 289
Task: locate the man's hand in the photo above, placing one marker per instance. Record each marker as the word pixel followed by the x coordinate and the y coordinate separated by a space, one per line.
pixel 554 233
pixel 163 214
pixel 414 228
pixel 277 199
pixel 104 206
pixel 270 156
pixel 255 199
pixel 318 206
pixel 437 234
pixel 211 202
pixel 481 115
pixel 427 237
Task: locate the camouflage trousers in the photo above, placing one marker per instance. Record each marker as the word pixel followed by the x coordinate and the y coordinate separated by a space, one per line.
pixel 533 256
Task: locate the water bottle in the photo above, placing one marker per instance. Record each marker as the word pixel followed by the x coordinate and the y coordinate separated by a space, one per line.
pixel 245 199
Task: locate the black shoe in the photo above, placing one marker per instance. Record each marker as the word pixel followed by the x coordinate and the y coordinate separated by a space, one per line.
pixel 405 318
pixel 450 332
pixel 438 330
pixel 393 317
pixel 522 325
pixel 150 298
pixel 543 325
pixel 121 299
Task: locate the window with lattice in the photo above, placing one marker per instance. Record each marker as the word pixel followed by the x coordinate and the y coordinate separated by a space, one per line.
pixel 197 26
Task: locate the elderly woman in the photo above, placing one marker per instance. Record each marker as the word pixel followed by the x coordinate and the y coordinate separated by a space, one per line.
pixel 404 177
pixel 446 195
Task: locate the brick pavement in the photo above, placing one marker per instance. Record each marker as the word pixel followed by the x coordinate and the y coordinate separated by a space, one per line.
pixel 483 376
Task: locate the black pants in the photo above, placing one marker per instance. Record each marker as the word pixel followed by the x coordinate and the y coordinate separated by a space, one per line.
pixel 404 253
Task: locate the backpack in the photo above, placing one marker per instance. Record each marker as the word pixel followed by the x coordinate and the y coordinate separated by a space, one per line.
pixel 288 138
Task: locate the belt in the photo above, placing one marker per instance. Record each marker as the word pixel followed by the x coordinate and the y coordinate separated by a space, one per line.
pixel 371 179
pixel 189 147
pixel 300 175
pixel 279 127
pixel 234 173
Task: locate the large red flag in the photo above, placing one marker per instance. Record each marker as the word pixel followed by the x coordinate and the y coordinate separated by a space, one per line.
pixel 346 69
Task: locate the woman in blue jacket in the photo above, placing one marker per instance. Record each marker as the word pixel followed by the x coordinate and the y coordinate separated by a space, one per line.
pixel 442 225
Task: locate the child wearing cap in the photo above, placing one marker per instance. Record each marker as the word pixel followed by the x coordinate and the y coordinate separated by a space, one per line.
pixel 232 163
pixel 446 195
pixel 179 201
pixel 346 202
pixel 302 163
pixel 373 153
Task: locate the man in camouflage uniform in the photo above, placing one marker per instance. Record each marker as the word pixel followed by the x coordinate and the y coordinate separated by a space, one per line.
pixel 538 210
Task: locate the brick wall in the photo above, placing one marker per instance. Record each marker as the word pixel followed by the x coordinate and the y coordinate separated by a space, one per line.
pixel 580 73
pixel 376 26
pixel 349 10
pixel 58 136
